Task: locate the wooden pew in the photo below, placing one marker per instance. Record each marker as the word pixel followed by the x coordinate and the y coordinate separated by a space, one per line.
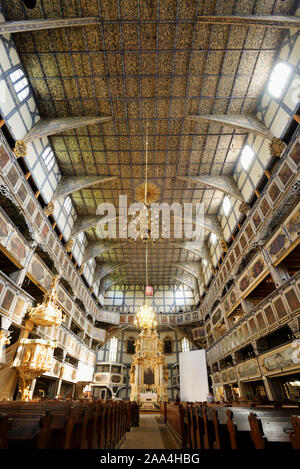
pixel 175 422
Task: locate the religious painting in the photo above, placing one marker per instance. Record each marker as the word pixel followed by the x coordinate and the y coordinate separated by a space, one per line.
pixel 231 257
pixel 18 247
pixel 187 317
pixel 256 219
pixel 45 231
pixel 285 174
pixel 277 245
pixel 281 310
pixel 22 193
pixel 249 231
pixel 7 300
pixel 270 315
pixel 274 191
pixel 122 319
pixel 231 374
pixel 149 376
pixel 224 377
pixel 260 321
pixel 243 241
pixel 13 176
pixel 293 225
pixel 257 268
pixel 226 305
pixel 278 360
pixel 232 297
pixel 295 154
pixel 216 317
pixel 264 207
pixel 248 369
pixel 37 270
pixel 38 220
pixel 179 318
pixel 237 250
pixel 292 300
pixel 115 379
pixel 130 318
pixel 3 228
pixel 31 207
pixel 195 315
pixel 164 319
pixel 244 283
pixel 19 307
pixel 4 158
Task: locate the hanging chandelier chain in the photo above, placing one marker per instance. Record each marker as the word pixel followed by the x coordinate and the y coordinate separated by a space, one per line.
pixel 146 176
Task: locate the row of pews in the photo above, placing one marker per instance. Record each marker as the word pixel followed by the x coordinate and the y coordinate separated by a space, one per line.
pixel 199 425
pixel 64 425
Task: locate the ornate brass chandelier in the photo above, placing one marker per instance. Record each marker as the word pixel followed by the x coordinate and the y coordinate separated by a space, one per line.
pixel 145 316
pixel 146 193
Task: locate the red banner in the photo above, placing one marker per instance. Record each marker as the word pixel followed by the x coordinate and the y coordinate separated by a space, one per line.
pixel 149 291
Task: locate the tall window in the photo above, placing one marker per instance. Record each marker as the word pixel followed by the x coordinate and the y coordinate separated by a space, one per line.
pixel 68 204
pixel 48 157
pixel 20 84
pixel 185 345
pixel 226 205
pixel 278 79
pixel 112 350
pixel 246 157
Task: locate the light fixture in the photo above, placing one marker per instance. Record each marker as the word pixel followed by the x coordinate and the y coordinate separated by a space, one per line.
pixel 278 79
pixel 145 316
pixel 147 193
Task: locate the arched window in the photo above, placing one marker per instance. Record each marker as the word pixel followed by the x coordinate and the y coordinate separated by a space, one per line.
pixel 112 349
pixel 130 346
pixel 167 346
pixel 20 83
pixel 185 345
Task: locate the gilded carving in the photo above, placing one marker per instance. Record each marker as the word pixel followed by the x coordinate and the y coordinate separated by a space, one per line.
pixel 276 147
pixel 49 209
pixel 20 149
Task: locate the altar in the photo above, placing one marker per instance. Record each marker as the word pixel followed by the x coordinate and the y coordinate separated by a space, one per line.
pixel 148 397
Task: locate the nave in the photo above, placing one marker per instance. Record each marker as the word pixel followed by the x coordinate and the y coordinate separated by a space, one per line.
pixel 152 433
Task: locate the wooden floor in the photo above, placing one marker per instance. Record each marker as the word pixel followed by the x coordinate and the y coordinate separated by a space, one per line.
pixel 151 434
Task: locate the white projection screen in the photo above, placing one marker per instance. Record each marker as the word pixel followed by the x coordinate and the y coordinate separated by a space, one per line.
pixel 193 376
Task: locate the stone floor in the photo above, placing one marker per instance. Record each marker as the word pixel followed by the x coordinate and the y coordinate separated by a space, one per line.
pixel 151 434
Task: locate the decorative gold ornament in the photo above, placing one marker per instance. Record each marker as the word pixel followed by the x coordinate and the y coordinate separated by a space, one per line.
pixel 244 208
pixel 151 190
pixel 146 317
pixel 70 245
pixel 91 289
pixel 49 209
pixel 276 147
pixel 223 245
pixel 81 269
pixel 48 313
pixel 20 149
pixel 34 357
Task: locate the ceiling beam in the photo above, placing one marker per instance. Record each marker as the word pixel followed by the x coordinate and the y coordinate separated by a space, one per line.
pixel 247 123
pixel 224 184
pixel 36 25
pixel 192 268
pixel 184 281
pixel 102 270
pixel 69 184
pixel 49 126
pixel 86 222
pixel 202 252
pixel 96 248
pixel 273 21
pixel 207 223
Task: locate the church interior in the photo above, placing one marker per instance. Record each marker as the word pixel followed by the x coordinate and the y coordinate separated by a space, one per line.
pixel 149 224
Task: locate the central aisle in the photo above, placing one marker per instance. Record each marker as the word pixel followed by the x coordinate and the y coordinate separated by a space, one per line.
pixel 151 434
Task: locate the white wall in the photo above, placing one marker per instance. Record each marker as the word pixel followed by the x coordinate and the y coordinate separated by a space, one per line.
pixel 193 376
